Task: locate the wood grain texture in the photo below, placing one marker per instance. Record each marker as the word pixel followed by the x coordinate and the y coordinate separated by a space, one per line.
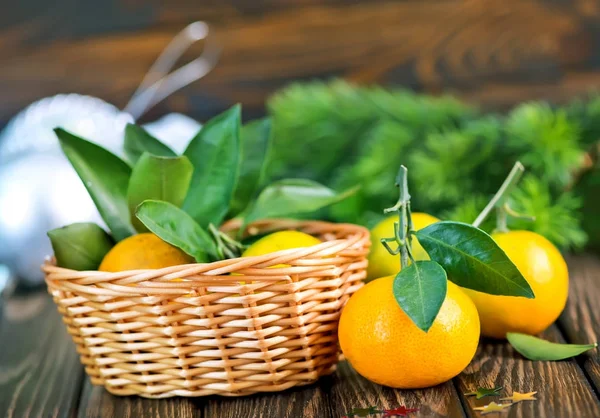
pixel 96 402
pixel 306 401
pixel 489 52
pixel 580 320
pixel 563 390
pixel 350 390
pixel 40 373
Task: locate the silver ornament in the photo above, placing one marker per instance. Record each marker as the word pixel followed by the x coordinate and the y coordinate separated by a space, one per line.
pixel 39 190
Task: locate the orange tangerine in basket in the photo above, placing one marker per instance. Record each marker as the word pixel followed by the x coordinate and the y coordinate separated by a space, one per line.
pixel 282 240
pixel 143 251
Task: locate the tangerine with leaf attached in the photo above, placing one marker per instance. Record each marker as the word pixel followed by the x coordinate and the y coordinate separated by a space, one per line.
pixel 545 270
pixel 384 345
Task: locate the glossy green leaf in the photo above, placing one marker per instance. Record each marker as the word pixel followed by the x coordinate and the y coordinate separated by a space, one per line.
pixel 105 177
pixel 420 290
pixel 158 178
pixel 177 228
pixel 535 348
pixel 138 141
pixel 80 246
pixel 472 259
pixel 255 144
pixel 290 197
pixel 215 155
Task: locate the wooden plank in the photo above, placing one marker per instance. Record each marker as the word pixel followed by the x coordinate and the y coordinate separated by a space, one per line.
pixel 349 390
pixel 97 402
pixel 492 52
pixel 40 373
pixel 563 390
pixel 580 320
pixel 306 401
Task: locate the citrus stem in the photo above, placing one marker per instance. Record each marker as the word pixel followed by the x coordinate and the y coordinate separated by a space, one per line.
pixel 403 228
pixel 500 197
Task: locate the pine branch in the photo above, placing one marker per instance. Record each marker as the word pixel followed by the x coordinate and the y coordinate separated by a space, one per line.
pixel 556 219
pixel 344 135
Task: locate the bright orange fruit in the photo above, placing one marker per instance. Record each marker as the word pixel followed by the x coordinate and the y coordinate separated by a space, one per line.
pixel 545 269
pixel 143 251
pixel 385 346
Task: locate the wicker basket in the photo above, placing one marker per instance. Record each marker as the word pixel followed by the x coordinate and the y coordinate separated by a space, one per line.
pixel 143 333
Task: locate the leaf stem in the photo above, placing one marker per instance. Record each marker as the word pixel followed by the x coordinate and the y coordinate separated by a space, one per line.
pixel 501 219
pixel 227 247
pixel 500 197
pixel 403 229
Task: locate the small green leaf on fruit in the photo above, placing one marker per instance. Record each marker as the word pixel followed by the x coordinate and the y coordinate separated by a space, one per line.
pixel 483 392
pixel 177 228
pixel 138 140
pixel 290 197
pixel 105 176
pixel 80 246
pixel 472 259
pixel 534 348
pixel 420 290
pixel 158 178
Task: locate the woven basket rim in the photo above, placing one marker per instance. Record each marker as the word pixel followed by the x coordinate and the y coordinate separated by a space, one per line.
pixel 355 233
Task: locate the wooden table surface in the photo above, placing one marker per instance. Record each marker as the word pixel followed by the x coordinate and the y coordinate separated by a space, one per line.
pixel 489 52
pixel 40 374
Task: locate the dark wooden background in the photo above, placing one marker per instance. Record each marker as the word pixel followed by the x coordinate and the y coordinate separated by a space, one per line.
pixel 491 52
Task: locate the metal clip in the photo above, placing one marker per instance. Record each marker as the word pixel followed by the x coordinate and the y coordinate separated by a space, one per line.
pixel 158 83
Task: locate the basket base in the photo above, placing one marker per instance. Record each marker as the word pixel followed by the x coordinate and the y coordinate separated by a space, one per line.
pixel 157 392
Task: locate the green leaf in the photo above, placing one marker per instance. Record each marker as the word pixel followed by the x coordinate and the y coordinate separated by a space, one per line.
pixel 80 246
pixel 215 155
pixel 255 144
pixel 105 177
pixel 158 178
pixel 138 141
pixel 420 290
pixel 472 259
pixel 535 348
pixel 483 392
pixel 291 197
pixel 176 227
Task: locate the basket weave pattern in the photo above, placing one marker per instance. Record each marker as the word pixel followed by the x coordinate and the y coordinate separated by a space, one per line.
pixel 196 330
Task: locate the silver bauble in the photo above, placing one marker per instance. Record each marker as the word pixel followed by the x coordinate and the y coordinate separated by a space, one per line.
pixel 39 190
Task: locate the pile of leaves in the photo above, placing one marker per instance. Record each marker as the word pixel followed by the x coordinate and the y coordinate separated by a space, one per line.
pixel 344 135
pixel 184 199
